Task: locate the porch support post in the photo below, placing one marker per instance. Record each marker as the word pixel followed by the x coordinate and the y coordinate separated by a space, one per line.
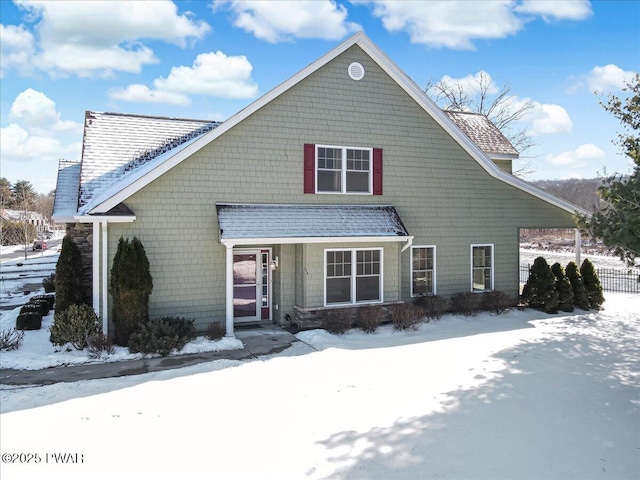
pixel 229 290
pixel 578 246
pixel 95 272
pixel 104 314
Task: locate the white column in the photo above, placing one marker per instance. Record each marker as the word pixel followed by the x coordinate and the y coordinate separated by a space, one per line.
pixel 229 291
pixel 578 246
pixel 95 259
pixel 105 280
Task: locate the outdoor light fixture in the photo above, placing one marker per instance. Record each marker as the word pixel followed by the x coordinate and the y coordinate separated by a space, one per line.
pixel 274 263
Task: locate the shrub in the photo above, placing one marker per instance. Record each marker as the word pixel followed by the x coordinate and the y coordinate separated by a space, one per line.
pixel 161 336
pixel 466 303
pixel 68 277
pixel 131 286
pixel 43 305
pixel 98 343
pixel 337 321
pixel 406 316
pixel 10 339
pixel 563 286
pixel 215 331
pixel 29 320
pixel 540 290
pixel 496 302
pixel 580 296
pixel 433 306
pixel 592 284
pixel 31 307
pixel 50 299
pixel 75 325
pixel 369 318
pixel 49 283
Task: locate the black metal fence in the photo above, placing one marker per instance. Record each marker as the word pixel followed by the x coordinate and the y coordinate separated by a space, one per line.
pixel 612 279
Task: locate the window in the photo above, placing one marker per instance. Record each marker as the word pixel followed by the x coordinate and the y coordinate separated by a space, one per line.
pixel 331 169
pixel 481 268
pixel 349 283
pixel 423 268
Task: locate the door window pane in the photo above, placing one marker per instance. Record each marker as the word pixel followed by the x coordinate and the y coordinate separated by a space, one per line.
pixel 244 269
pixel 244 301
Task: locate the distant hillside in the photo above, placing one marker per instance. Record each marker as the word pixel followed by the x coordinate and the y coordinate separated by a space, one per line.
pixel 579 191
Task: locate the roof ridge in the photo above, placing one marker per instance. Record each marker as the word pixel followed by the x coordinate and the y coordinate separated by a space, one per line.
pixel 155 117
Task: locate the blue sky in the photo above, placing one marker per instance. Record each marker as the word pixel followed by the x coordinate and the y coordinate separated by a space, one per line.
pixel 209 59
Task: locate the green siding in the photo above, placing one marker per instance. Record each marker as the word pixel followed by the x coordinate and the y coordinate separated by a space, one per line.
pixel 442 195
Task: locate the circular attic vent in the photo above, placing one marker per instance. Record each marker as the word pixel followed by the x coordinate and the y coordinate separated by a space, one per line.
pixel 356 71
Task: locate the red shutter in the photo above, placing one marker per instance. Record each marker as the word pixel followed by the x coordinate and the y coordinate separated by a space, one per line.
pixel 309 168
pixel 377 171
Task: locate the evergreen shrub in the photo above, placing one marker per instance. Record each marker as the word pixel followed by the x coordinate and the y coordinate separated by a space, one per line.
pixel 68 277
pixel 74 325
pixel 161 336
pixel 10 339
pixel 369 318
pixel 29 320
pixel 216 330
pixel 496 302
pixel 337 321
pixel 540 290
pixel 580 296
pixel 49 283
pixel 592 284
pixel 466 303
pixel 49 298
pixel 563 286
pixel 131 286
pixel 433 306
pixel 406 316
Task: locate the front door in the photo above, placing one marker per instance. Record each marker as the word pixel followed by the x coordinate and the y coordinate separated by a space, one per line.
pixel 251 289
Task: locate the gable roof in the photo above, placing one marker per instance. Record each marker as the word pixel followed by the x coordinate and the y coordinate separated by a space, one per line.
pixel 484 134
pixel 126 185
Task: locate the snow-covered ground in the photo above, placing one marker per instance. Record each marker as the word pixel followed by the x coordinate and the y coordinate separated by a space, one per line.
pixel 528 255
pixel 521 395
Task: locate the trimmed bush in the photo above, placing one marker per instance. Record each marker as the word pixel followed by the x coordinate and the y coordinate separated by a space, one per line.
pixel 98 343
pixel 49 283
pixel 592 284
pixel 540 290
pixel 43 305
pixel 563 286
pixel 216 330
pixel 10 339
pixel 31 307
pixel 161 336
pixel 50 299
pixel 496 302
pixel 75 325
pixel 580 296
pixel 406 316
pixel 337 321
pixel 68 277
pixel 466 303
pixel 369 318
pixel 433 306
pixel 131 286
pixel 29 320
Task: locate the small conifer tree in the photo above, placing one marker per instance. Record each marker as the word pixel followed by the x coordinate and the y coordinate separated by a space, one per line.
pixel 580 296
pixel 131 286
pixel 540 289
pixel 68 279
pixel 563 285
pixel 592 284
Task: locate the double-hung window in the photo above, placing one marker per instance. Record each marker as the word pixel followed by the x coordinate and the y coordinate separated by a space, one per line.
pixel 423 269
pixel 343 169
pixel 353 276
pixel 481 268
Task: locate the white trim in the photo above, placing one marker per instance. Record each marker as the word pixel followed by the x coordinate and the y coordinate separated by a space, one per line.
pixel 229 291
pixel 413 294
pixel 578 246
pixel 95 272
pixel 290 240
pixel 104 311
pixel 132 184
pixel 344 170
pixel 493 265
pixel 258 252
pixel 354 276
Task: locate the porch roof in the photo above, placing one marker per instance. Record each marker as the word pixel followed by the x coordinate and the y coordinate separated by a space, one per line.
pixel 267 223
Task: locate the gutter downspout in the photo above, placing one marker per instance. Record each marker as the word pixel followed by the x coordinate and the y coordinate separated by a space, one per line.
pixel 408 244
pixel 578 246
pixel 95 274
pixel 104 314
pixel 229 290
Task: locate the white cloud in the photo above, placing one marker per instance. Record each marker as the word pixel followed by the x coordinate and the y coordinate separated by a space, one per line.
pixel 557 10
pixel 276 21
pixel 577 158
pixel 472 83
pixel 37 112
pixel 548 119
pixel 213 74
pixel 16 49
pixel 609 78
pixel 99 37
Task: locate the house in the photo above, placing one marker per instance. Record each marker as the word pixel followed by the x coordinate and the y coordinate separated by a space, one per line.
pixel 343 186
pixel 36 219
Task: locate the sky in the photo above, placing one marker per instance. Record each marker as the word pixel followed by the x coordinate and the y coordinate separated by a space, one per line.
pixel 210 59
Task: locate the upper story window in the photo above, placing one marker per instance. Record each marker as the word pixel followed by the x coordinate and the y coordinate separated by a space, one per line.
pixel 333 169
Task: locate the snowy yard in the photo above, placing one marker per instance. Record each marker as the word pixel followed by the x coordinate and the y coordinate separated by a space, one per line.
pixel 521 395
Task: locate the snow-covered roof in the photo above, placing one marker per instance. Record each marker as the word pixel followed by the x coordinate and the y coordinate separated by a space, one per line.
pixel 67 188
pixel 116 144
pixel 266 221
pixel 484 134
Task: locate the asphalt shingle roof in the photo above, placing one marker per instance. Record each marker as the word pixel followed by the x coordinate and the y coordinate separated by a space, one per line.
pixel 248 221
pixel 482 132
